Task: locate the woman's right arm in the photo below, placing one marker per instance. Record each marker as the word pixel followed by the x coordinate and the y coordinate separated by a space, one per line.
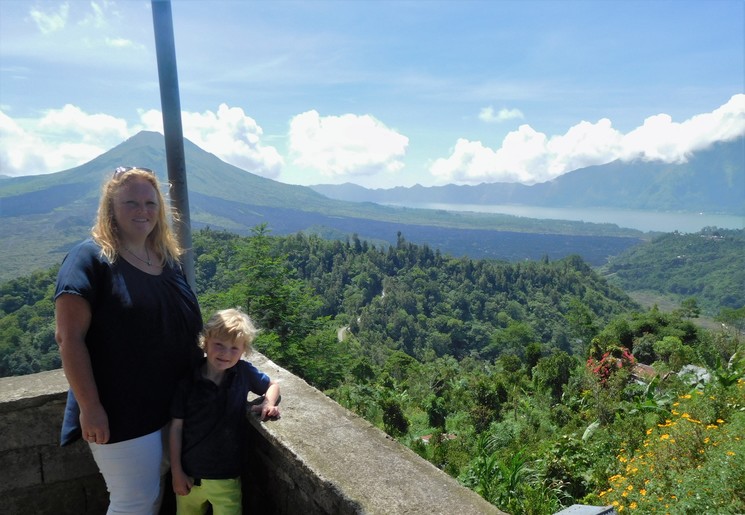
pixel 73 318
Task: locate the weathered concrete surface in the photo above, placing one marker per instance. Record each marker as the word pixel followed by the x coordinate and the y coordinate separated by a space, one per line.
pixel 37 476
pixel 317 459
pixel 354 460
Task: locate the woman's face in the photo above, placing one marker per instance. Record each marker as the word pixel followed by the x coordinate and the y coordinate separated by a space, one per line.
pixel 136 209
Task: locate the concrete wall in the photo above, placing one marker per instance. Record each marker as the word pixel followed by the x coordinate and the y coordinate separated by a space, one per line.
pixel 318 458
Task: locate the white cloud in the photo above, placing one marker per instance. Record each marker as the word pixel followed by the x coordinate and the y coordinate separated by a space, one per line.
pixel 121 43
pixel 229 134
pixel 355 146
pixel 345 146
pixel 662 139
pixel 488 115
pixel 67 137
pixel 49 22
pixel 60 139
pixel 529 156
pixel 97 16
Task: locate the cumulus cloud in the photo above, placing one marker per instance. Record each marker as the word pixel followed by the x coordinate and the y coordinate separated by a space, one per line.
pixel 529 157
pixel 488 115
pixel 228 133
pixel 59 139
pixel 345 146
pixel 356 146
pixel 67 137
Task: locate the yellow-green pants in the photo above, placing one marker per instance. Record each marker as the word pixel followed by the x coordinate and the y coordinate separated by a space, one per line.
pixel 223 494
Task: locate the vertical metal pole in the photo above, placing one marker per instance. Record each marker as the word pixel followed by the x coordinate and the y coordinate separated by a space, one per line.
pixel 165 49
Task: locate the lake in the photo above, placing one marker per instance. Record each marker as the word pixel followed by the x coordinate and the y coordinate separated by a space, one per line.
pixel 646 221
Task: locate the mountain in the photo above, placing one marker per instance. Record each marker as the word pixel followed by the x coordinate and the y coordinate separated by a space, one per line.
pixel 42 216
pixel 711 181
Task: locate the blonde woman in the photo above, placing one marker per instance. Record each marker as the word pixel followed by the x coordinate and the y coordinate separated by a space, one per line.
pixel 127 324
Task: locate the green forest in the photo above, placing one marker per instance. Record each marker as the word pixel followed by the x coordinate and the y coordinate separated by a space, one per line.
pixel 538 384
pixel 708 266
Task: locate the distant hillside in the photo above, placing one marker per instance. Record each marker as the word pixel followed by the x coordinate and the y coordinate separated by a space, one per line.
pixel 43 215
pixel 709 266
pixel 712 181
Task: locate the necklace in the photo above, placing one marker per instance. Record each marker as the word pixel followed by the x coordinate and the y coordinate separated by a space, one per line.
pixel 147 253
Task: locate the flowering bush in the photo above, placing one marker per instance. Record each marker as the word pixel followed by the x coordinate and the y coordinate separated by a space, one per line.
pixel 693 462
pixel 609 364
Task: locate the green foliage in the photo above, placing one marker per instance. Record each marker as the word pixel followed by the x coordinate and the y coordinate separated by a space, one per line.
pixel 479 366
pixel 553 372
pixel 693 462
pixel 27 343
pixel 700 269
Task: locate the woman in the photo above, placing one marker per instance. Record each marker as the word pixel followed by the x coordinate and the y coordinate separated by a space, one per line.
pixel 127 328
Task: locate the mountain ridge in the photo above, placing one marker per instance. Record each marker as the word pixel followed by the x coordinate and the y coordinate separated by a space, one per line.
pixel 711 180
pixel 42 216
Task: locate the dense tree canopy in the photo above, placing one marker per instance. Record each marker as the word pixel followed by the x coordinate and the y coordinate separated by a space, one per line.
pixel 499 373
pixel 708 266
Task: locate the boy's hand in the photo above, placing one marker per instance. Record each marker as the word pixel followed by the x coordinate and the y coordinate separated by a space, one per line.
pixel 182 483
pixel 265 410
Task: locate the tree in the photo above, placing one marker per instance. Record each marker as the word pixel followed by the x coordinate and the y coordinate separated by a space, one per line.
pixel 553 372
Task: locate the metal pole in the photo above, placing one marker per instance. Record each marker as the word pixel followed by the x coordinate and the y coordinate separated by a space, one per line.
pixel 165 49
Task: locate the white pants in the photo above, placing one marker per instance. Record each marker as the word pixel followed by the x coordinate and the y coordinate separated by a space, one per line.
pixel 132 470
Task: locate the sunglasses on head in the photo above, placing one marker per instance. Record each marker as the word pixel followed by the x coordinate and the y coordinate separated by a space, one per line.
pixel 124 169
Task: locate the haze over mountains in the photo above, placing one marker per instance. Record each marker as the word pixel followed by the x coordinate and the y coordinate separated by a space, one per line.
pixel 43 215
pixel 711 181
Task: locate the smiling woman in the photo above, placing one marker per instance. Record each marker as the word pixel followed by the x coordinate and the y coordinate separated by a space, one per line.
pixel 127 324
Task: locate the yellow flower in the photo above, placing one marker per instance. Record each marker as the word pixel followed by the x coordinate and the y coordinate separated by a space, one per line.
pixel 630 488
pixel 633 505
pixel 720 421
pixel 712 426
pixel 707 439
pixel 730 453
pixel 649 431
pixel 665 437
pixel 686 396
pixel 643 491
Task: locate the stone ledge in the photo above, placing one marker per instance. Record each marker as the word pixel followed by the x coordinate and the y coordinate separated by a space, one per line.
pixel 319 458
pixel 373 473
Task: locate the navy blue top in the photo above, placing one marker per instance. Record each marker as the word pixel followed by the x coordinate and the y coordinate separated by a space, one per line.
pixel 142 339
pixel 214 420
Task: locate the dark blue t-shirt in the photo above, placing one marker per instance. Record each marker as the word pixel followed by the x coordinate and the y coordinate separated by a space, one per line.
pixel 214 420
pixel 143 336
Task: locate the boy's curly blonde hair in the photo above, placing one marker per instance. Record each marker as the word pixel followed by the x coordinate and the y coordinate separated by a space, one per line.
pixel 231 325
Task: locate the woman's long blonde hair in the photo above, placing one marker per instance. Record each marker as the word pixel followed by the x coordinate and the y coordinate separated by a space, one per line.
pixel 105 231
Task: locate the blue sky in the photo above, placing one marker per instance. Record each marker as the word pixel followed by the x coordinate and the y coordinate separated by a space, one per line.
pixel 378 93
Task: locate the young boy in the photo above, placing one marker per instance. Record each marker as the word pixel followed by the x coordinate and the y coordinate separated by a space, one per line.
pixel 208 414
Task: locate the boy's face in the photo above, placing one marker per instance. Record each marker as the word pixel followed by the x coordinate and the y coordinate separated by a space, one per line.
pixel 222 353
